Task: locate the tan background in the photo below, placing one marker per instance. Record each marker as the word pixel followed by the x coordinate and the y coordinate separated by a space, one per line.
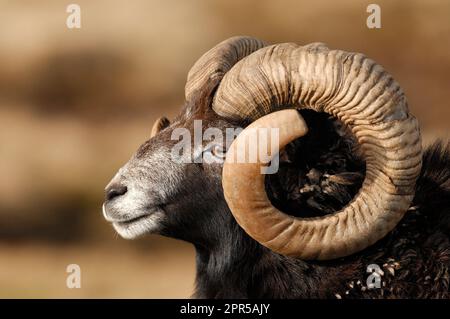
pixel 75 104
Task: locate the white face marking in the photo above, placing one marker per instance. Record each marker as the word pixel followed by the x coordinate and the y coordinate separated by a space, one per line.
pixel 143 225
pixel 131 220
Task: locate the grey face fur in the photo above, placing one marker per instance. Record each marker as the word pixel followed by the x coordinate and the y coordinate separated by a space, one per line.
pixel 154 194
pixel 138 210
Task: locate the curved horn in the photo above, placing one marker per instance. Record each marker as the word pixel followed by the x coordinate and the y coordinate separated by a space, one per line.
pixel 160 124
pixel 362 95
pixel 213 65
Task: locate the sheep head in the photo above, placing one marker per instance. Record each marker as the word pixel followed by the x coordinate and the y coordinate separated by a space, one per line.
pixel 243 81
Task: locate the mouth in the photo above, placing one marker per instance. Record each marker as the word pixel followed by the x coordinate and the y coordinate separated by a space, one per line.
pixel 123 221
pixel 132 227
pixel 131 221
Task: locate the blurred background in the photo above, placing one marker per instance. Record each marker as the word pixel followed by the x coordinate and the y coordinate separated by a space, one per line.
pixel 76 103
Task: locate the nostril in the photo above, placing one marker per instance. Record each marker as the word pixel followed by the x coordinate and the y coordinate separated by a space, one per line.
pixel 115 191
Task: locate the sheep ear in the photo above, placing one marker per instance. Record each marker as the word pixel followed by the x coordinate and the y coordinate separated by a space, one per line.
pixel 159 125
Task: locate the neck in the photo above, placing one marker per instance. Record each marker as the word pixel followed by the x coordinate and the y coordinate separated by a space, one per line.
pixel 224 269
pixel 239 267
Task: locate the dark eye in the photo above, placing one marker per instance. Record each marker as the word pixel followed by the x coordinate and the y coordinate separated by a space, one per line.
pixel 214 152
pixel 218 151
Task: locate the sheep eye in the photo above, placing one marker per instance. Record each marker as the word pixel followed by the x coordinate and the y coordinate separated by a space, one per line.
pixel 218 151
pixel 214 151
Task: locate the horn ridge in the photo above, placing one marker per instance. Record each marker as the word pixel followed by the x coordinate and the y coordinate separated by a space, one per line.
pixel 215 63
pixel 357 91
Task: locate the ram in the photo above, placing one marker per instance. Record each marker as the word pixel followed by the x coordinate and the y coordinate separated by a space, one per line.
pixel 354 191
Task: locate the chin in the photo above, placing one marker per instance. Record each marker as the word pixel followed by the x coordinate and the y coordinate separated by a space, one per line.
pixel 134 228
